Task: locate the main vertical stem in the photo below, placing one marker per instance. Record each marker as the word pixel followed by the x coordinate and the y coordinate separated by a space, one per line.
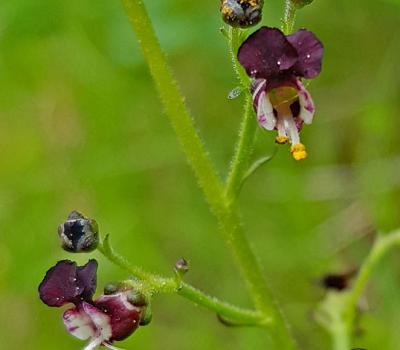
pixel 244 148
pixel 173 102
pixel 195 151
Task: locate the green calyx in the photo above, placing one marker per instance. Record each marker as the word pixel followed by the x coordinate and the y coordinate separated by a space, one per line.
pixel 301 3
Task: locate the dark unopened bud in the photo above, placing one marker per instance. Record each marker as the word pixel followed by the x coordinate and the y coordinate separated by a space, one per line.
pixel 337 282
pixel 241 13
pixel 78 233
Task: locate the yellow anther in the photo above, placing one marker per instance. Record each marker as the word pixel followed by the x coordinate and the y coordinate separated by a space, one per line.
pixel 298 151
pixel 281 140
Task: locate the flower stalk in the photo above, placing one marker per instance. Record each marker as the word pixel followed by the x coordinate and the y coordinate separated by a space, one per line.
pixel 337 313
pixel 207 177
pixel 155 284
pixel 381 247
pixel 289 17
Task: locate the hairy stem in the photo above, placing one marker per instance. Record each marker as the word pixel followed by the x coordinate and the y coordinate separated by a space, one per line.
pixel 158 284
pixel 248 128
pixel 173 102
pixel 213 190
pixel 289 17
pixel 234 37
pixel 244 149
pixel 232 312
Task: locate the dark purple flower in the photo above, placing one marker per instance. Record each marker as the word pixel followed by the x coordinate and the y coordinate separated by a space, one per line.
pixel 104 320
pixel 277 63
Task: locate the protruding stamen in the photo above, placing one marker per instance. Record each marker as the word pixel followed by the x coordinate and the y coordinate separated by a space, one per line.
pixel 265 112
pixel 96 342
pixel 298 151
pixel 281 140
pixel 282 137
pixel 307 108
pixel 290 127
pixel 109 346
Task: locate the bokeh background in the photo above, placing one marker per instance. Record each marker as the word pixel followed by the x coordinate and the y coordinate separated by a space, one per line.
pixel 81 128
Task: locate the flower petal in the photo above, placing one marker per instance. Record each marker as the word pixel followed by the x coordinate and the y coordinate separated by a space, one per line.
pixel 266 53
pixel 87 276
pixel 307 108
pixel 100 319
pixel 79 324
pixel 67 283
pixel 310 51
pixel 262 105
pixel 59 285
pixel 124 316
pixel 265 112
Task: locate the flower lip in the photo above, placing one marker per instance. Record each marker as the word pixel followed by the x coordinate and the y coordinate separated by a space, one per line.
pixel 68 283
pixel 124 316
pixel 269 54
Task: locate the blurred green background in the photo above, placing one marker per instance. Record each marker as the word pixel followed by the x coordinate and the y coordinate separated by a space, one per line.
pixel 81 128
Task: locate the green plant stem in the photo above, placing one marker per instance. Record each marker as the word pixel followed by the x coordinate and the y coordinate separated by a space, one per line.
pixel 173 102
pixel 246 317
pixel 343 318
pixel 157 284
pixel 247 262
pixel 234 36
pixel 248 128
pixel 381 246
pixel 339 334
pixel 289 17
pixel 210 183
pixel 244 149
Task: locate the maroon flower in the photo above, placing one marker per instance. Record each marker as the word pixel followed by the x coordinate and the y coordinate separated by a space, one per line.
pixel 108 318
pixel 277 63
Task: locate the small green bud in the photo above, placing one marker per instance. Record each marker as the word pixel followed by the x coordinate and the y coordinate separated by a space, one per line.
pixel 182 266
pixel 181 269
pixel 146 316
pixel 138 299
pixel 111 288
pixel 78 233
pixel 301 3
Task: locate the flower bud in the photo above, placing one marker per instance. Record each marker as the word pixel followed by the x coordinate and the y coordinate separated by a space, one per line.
pixel 134 297
pixel 241 13
pixel 338 282
pixel 182 266
pixel 301 3
pixel 78 234
pixel 138 299
pixel 110 288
